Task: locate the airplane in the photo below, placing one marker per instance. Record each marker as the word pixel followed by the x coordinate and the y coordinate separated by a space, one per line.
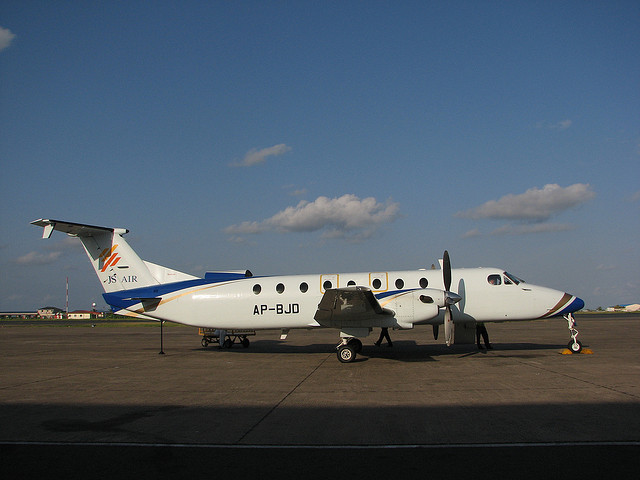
pixel 353 303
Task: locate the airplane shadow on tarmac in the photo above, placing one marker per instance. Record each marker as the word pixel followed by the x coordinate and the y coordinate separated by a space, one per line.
pixel 403 351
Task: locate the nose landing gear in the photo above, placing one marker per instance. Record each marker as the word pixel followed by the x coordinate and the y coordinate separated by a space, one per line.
pixel 574 344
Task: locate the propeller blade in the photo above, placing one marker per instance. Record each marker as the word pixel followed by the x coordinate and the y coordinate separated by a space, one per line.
pixel 436 328
pixel 446 271
pixel 448 326
pixel 450 299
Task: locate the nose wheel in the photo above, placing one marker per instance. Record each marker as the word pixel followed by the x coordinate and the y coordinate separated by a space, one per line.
pixel 574 344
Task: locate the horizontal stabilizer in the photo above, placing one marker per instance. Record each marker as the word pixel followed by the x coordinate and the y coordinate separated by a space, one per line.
pixel 75 229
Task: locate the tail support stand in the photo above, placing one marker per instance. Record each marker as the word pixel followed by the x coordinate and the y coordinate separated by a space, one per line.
pixel 161 352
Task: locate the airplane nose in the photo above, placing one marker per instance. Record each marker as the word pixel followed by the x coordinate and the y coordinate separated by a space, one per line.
pixel 567 304
pixel 577 304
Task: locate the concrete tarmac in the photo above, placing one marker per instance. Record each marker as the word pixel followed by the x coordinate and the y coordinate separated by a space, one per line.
pixel 102 401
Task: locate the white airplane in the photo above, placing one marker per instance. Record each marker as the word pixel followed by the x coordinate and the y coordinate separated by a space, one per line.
pixel 353 303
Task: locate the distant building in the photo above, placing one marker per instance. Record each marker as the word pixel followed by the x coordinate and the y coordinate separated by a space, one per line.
pixel 633 307
pixel 50 312
pixel 18 314
pixel 84 315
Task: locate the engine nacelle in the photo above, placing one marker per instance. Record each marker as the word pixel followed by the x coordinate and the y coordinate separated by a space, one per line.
pixel 416 306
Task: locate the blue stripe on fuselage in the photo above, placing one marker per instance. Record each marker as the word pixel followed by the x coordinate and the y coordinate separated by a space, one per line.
pixel 382 295
pixel 574 306
pixel 126 298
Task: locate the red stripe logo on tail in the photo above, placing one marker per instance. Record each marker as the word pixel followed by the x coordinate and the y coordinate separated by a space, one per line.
pixel 110 257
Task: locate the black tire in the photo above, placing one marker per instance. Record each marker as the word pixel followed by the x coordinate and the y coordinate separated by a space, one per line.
pixel 346 353
pixel 204 342
pixel 356 344
pixel 228 343
pixel 575 347
pixel 245 342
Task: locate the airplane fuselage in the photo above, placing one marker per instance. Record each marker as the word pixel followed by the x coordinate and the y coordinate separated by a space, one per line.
pixel 291 301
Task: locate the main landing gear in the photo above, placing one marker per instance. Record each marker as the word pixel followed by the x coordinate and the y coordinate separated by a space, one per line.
pixel 574 344
pixel 348 348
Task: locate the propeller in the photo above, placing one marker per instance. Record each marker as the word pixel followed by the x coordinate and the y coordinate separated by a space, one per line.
pixel 450 298
pixel 446 270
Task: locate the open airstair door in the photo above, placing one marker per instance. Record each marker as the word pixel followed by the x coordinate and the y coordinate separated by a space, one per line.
pixel 351 307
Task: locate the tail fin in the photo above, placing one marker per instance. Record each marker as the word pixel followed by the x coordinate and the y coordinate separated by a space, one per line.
pixel 118 267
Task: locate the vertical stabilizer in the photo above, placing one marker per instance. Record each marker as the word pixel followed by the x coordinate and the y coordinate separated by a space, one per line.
pixel 118 267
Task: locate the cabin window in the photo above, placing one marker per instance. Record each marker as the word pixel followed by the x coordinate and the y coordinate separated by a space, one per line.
pixel 351 283
pixel 376 283
pixel 327 285
pixel 280 288
pixel 424 283
pixel 304 287
pixel 494 279
pixel 257 289
pixel 399 284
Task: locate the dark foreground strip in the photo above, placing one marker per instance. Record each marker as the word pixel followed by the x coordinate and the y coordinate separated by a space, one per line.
pixel 118 461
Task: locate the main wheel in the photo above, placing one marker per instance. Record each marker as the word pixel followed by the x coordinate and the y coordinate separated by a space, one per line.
pixel 204 342
pixel 346 353
pixel 575 347
pixel 228 343
pixel 245 342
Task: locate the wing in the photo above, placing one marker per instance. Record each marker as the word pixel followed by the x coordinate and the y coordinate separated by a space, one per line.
pixel 351 307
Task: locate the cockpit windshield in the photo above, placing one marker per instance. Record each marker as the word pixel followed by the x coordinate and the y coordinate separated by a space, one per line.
pixel 508 276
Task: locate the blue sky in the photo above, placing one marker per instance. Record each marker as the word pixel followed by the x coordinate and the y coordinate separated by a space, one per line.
pixel 300 137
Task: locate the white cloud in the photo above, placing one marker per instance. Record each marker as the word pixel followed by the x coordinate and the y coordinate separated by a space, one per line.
pixel 534 205
pixel 35 258
pixel 298 193
pixel 6 37
pixel 294 191
pixel 255 157
pixel 51 252
pixel 246 228
pixel 345 217
pixel 562 125
pixel 606 267
pixel 472 233
pixel 532 228
pixel 236 239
